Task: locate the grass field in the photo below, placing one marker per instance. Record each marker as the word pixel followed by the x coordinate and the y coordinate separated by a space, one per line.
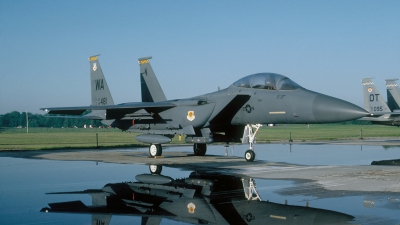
pixel 56 138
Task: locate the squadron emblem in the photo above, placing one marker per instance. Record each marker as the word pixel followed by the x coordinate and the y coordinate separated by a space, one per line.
pixel 190 116
pixel 370 89
pixel 191 207
pixel 94 67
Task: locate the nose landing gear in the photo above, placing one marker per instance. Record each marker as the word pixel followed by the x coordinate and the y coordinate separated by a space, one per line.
pixel 249 136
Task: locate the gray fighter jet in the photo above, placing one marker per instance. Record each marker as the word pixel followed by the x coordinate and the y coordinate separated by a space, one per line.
pixel 376 105
pixel 233 114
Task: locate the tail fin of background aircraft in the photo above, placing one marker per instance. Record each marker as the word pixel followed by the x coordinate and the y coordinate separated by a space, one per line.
pixel 151 89
pixel 393 94
pixel 100 93
pixel 373 100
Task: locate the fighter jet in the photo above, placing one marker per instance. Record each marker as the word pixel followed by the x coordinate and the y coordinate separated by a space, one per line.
pixel 233 114
pixel 205 197
pixel 376 105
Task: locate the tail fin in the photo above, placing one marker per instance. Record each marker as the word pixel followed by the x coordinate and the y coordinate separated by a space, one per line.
pixel 393 94
pixel 373 101
pixel 151 89
pixel 100 93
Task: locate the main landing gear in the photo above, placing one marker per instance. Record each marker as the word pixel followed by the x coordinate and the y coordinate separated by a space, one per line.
pixel 199 149
pixel 155 150
pixel 249 136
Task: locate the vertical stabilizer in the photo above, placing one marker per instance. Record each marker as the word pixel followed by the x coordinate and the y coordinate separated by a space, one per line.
pixel 393 94
pixel 373 101
pixel 100 93
pixel 151 89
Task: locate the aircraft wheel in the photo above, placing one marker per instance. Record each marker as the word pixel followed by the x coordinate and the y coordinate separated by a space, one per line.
pixel 249 155
pixel 199 149
pixel 155 150
pixel 155 169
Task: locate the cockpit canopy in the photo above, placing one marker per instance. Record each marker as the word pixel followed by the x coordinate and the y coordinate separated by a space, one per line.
pixel 269 81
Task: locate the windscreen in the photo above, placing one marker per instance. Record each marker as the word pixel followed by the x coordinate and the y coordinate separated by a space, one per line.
pixel 269 81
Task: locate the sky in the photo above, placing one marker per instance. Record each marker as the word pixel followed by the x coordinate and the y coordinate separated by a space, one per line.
pixel 197 46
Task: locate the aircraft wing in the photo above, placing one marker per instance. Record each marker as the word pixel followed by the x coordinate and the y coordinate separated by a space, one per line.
pixel 113 111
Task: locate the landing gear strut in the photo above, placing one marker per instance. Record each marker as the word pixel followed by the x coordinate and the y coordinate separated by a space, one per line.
pixel 199 149
pixel 155 150
pixel 249 136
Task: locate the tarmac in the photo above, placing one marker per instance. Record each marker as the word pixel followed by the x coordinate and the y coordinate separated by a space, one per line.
pixel 328 180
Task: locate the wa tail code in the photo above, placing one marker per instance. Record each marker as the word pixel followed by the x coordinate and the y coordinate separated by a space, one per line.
pixel 99 84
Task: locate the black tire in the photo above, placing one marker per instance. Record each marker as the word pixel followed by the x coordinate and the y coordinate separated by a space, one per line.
pixel 155 169
pixel 155 150
pixel 199 149
pixel 249 155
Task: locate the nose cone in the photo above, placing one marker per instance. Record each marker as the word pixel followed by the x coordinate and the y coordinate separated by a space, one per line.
pixel 327 109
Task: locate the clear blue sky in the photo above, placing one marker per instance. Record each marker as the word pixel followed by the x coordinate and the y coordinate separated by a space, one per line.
pixel 325 46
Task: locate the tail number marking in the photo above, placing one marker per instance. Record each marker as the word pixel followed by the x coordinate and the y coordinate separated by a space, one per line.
pixel 102 101
pixel 99 84
pixel 377 109
pixel 373 97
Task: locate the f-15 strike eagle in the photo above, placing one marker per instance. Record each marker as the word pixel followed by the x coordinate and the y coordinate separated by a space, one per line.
pixel 233 114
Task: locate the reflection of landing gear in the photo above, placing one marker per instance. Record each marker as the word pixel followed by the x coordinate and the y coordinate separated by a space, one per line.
pixel 155 150
pixel 155 169
pixel 199 149
pixel 249 136
pixel 249 188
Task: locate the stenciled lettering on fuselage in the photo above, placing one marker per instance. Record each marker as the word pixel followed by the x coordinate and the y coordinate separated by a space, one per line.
pixel 248 108
pixel 99 84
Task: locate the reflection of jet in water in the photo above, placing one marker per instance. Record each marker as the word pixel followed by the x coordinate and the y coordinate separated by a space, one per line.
pixel 233 114
pixel 375 104
pixel 202 198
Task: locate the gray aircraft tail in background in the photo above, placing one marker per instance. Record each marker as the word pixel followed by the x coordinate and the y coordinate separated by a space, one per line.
pixel 375 104
pixel 393 94
pixel 373 100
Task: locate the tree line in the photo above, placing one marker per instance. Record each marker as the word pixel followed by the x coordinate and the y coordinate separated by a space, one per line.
pixel 17 119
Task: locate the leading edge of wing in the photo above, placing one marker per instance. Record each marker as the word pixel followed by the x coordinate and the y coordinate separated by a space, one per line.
pixel 123 107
